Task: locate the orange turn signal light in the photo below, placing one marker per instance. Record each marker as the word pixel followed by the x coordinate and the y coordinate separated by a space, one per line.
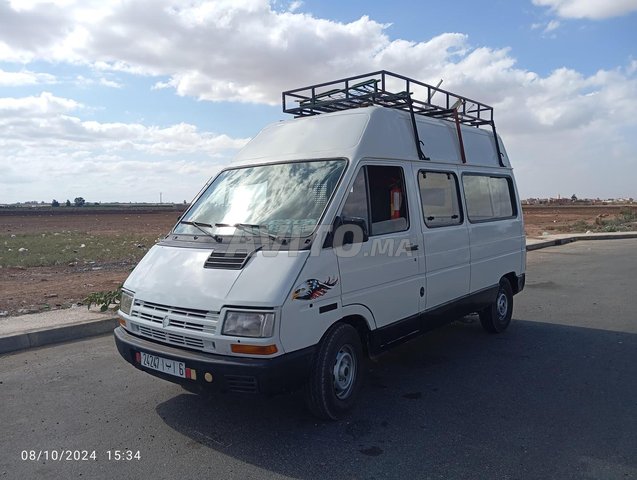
pixel 253 349
pixel 122 322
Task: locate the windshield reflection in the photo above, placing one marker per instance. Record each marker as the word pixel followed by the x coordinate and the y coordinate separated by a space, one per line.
pixel 284 199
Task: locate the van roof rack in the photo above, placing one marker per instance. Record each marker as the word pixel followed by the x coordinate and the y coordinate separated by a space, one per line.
pixel 391 90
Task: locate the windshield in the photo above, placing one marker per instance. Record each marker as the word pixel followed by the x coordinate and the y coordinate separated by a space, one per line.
pixel 284 199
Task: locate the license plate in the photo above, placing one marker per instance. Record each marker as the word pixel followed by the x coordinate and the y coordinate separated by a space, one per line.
pixel 171 367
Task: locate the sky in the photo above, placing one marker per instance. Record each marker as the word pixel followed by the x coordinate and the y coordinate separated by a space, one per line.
pixel 126 100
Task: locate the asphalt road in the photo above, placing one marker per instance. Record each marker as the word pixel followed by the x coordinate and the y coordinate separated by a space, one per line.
pixel 553 397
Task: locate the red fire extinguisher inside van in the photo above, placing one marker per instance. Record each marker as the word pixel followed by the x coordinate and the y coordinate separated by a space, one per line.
pixel 396 200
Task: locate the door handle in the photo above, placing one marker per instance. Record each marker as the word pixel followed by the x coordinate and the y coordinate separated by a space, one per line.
pixel 411 247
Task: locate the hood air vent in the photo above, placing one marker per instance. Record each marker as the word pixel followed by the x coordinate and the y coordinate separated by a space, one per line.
pixel 227 260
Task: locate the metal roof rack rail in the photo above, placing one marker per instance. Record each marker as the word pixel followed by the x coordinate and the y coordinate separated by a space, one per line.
pixel 391 90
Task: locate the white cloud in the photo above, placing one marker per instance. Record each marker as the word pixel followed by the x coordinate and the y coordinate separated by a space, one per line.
pixel 109 83
pixel 295 5
pixel 591 9
pixel 247 51
pixel 43 138
pixel 552 25
pixel 44 105
pixel 25 34
pixel 547 27
pixel 24 77
pixel 83 81
pixel 26 115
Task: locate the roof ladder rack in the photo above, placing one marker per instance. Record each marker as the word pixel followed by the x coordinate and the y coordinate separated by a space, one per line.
pixel 391 90
pixel 463 156
pixel 421 154
pixel 497 145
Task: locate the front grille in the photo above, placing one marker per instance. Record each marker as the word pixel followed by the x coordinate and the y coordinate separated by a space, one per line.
pixel 168 337
pixel 227 260
pixel 177 317
pixel 241 383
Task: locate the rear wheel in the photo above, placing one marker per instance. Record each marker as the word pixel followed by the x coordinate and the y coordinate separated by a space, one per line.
pixel 497 316
pixel 336 375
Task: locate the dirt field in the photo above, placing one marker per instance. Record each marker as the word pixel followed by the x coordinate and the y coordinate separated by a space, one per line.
pixel 578 219
pixel 33 289
pixel 101 222
pixel 119 240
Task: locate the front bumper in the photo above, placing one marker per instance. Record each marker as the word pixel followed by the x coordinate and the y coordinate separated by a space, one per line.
pixel 235 374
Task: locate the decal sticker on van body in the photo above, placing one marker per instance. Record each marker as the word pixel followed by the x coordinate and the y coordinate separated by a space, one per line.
pixel 313 288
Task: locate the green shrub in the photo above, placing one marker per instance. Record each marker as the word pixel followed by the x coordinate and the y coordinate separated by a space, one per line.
pixel 104 299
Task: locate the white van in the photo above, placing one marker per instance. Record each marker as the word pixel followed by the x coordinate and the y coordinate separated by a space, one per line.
pixel 387 207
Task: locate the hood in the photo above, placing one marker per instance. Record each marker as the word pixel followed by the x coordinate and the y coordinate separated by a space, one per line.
pixel 176 276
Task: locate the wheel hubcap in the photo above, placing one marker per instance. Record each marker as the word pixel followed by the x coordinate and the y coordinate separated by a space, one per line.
pixel 502 305
pixel 344 372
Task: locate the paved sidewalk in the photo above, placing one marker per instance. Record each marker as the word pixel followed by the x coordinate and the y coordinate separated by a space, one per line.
pixel 39 329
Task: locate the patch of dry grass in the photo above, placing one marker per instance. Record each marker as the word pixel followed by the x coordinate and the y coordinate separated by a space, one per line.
pixel 62 248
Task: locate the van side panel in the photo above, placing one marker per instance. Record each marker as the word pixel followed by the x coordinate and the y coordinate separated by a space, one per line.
pixel 446 249
pixel 496 231
pixel 496 248
pixel 447 258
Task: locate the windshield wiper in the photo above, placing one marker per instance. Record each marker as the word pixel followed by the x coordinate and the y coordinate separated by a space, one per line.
pixel 248 228
pixel 200 225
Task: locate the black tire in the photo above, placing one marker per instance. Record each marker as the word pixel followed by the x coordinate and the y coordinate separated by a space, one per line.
pixel 497 316
pixel 337 372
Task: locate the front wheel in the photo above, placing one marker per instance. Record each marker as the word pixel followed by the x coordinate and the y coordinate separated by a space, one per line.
pixel 497 316
pixel 336 374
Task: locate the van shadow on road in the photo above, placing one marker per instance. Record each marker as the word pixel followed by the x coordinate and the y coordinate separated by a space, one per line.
pixel 539 401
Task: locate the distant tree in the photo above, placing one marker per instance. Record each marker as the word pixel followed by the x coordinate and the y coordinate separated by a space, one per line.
pixel 55 203
pixel 68 203
pixel 574 198
pixel 79 201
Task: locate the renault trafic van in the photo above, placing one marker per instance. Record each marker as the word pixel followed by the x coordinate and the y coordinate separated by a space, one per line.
pixel 385 208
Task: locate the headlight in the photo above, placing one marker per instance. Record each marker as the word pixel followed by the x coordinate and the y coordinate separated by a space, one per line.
pixel 248 324
pixel 125 302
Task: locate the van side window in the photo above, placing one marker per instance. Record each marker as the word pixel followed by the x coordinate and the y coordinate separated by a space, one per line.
pixel 488 198
pixel 387 199
pixel 439 195
pixel 356 204
pixel 384 202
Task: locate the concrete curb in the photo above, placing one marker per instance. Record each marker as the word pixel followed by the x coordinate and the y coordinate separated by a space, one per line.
pixel 39 338
pixel 564 240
